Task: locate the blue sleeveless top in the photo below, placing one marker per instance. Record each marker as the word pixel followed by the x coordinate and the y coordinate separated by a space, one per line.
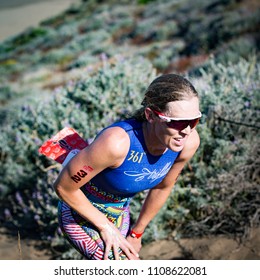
pixel 140 170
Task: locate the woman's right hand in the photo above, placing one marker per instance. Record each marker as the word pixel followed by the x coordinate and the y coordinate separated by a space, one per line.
pixel 114 240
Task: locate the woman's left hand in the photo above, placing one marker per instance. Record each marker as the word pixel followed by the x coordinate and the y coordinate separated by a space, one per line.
pixel 113 239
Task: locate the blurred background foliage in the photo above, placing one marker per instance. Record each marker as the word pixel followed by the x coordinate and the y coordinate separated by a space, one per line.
pixel 90 66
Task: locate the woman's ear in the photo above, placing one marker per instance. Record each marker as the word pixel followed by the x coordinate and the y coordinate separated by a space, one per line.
pixel 149 114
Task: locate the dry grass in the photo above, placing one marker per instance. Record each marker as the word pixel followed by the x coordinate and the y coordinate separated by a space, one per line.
pixel 19 246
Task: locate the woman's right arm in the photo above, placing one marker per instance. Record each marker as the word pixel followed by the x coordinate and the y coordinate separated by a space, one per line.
pixel 108 150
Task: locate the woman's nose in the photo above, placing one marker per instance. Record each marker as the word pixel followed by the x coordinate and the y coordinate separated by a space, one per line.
pixel 186 130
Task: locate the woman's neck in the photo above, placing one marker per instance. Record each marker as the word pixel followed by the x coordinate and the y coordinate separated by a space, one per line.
pixel 152 143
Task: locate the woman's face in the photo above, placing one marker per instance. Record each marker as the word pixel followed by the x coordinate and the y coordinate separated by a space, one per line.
pixel 174 138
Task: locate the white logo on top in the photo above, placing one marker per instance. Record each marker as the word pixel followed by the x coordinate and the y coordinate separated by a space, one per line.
pixel 149 175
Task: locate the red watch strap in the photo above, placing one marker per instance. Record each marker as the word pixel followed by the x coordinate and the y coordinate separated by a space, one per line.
pixel 135 235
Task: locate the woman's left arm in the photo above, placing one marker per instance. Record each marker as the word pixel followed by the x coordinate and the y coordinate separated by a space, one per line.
pixel 159 194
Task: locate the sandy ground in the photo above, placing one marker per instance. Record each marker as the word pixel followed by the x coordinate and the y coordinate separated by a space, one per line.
pixel 18 15
pixel 19 248
pixel 207 248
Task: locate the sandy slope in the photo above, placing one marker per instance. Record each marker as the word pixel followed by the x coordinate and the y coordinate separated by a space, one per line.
pixel 207 248
pixel 17 15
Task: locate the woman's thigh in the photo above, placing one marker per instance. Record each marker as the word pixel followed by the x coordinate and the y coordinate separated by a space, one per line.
pixel 84 237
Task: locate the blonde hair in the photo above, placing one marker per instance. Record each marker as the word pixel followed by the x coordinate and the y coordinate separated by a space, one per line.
pixel 164 89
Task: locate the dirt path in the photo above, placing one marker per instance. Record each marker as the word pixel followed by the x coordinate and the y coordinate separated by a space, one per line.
pixel 211 248
pixel 11 248
pixel 17 15
pixel 207 248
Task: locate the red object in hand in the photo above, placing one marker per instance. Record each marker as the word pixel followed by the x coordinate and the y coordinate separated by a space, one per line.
pixel 61 144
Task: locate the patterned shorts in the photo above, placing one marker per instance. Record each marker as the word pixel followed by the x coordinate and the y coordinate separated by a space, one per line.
pixel 83 236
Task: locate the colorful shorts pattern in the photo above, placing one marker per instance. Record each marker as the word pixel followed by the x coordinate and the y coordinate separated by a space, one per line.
pixel 83 236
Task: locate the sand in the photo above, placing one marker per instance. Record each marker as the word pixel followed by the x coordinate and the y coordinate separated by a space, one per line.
pixel 205 248
pixel 18 15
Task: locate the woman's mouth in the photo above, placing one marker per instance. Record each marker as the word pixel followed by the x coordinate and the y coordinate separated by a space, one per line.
pixel 179 141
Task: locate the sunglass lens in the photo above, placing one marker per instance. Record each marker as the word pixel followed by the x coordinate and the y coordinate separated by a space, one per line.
pixel 180 125
pixel 194 122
